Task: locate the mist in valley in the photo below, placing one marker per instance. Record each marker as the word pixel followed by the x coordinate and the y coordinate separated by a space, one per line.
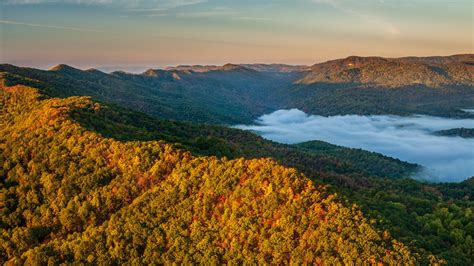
pixel 412 139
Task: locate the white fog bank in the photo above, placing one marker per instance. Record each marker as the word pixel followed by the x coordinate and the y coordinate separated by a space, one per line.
pixel 446 159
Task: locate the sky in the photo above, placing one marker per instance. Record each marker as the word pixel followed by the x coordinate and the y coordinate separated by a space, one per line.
pixel 412 139
pixel 158 33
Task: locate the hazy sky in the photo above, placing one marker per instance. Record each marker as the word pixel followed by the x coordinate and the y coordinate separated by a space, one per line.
pixel 87 33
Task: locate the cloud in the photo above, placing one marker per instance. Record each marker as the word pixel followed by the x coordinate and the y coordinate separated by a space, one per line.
pixel 78 2
pixel 146 9
pixel 203 14
pixel 254 18
pixel 214 12
pixel 468 110
pixel 135 5
pixel 407 138
pixel 10 22
pixel 383 24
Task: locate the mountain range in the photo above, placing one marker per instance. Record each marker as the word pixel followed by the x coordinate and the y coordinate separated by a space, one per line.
pixel 233 94
pixel 112 168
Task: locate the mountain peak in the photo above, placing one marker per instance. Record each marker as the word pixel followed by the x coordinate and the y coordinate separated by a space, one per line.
pixel 165 75
pixel 151 72
pixel 62 67
pixel 235 67
pixel 357 61
pixel 230 66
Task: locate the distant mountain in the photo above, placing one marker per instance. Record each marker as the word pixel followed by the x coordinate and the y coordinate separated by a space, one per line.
pixel 395 72
pixel 277 67
pixel 64 68
pixel 237 94
pixel 230 95
pixel 257 67
pixel 159 74
pixel 440 60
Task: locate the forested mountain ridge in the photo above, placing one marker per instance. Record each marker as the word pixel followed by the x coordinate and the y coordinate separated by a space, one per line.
pixel 431 219
pixel 224 97
pixel 395 72
pixel 458 58
pixel 238 94
pixel 460 132
pixel 257 67
pixel 71 195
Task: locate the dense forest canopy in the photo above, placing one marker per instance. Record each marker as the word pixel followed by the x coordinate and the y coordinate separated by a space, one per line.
pixel 94 171
pixel 69 194
pixel 428 71
pixel 461 132
pixel 91 191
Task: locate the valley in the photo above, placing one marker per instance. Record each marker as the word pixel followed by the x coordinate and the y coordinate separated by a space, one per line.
pixel 238 94
pixel 438 144
pixel 210 132
pixel 92 153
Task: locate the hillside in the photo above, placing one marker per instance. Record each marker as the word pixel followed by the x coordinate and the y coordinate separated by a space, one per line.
pixel 238 94
pixel 232 96
pixel 457 132
pixel 406 208
pixel 433 60
pixel 207 132
pixel 394 72
pixel 98 169
pixel 340 99
pixel 69 194
pixel 206 140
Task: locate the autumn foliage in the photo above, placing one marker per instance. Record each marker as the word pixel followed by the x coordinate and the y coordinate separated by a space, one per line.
pixel 71 195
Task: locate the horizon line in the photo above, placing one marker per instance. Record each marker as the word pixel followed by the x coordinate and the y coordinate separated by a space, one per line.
pixel 164 66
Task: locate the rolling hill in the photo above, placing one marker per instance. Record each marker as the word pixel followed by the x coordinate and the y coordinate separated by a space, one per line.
pixel 225 97
pixel 71 195
pixel 91 167
pixel 395 72
pixel 237 94
pixel 95 173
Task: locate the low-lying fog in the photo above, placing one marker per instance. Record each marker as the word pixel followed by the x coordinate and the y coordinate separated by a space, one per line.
pixel 447 159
